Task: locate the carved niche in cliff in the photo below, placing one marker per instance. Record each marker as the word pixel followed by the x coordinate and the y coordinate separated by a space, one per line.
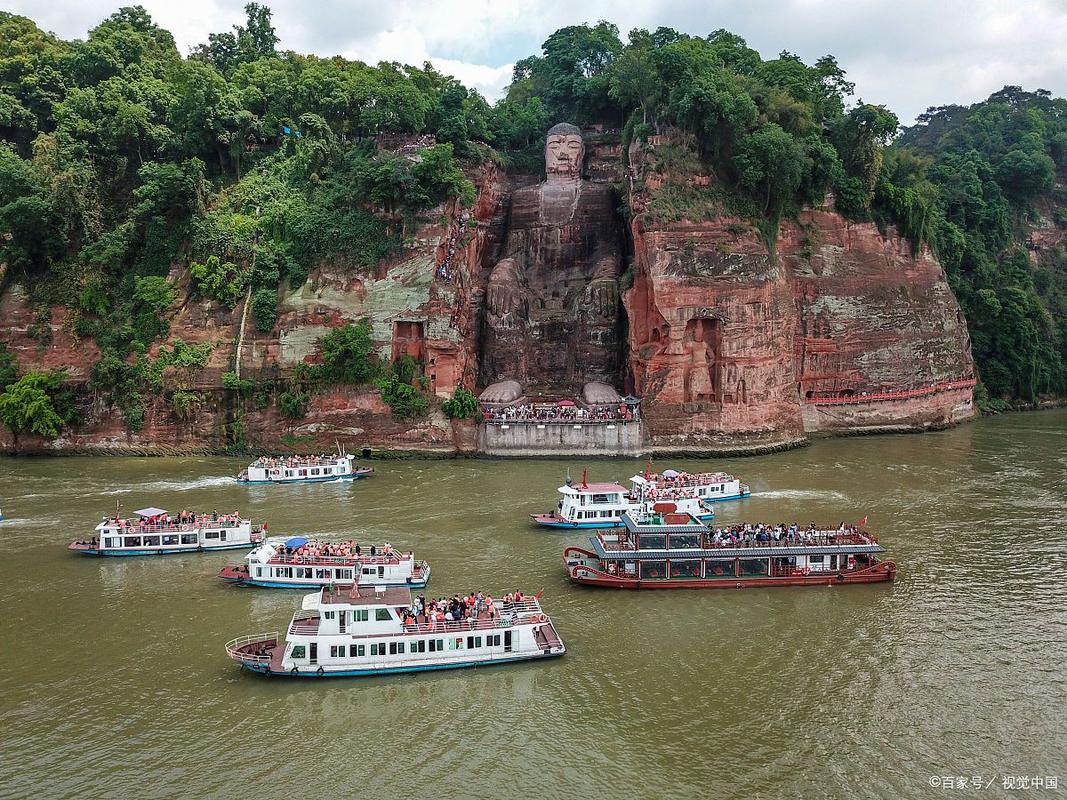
pixel 552 315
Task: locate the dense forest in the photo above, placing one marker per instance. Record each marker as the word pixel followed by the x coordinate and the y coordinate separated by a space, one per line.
pixel 120 157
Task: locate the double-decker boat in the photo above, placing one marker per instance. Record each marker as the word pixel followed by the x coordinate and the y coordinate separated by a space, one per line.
pixel 676 551
pixel 302 563
pixel 601 505
pixel 155 532
pixel 304 469
pixel 355 632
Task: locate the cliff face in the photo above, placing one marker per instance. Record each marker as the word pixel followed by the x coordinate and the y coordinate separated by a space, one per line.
pixel 730 343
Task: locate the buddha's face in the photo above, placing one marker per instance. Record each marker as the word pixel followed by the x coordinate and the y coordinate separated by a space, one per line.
pixel 563 155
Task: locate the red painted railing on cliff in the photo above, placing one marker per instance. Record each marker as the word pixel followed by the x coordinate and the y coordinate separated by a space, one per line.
pixel 828 399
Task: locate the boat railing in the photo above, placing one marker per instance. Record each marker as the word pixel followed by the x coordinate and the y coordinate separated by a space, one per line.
pixel 311 561
pixel 471 624
pixel 318 462
pixel 305 625
pixel 234 647
pixel 800 539
pixel 172 527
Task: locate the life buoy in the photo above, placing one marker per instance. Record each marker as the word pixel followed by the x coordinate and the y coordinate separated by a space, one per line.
pixel 187 527
pixel 542 618
pixel 737 585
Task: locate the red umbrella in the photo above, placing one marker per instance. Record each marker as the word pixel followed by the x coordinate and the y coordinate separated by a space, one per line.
pixel 564 402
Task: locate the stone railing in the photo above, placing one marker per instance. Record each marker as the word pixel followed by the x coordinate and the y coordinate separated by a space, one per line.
pixel 831 399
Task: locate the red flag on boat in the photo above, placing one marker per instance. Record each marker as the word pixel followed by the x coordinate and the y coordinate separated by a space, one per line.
pixel 863 522
pixel 585 478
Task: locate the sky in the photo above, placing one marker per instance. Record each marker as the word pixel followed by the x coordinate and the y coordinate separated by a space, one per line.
pixel 906 54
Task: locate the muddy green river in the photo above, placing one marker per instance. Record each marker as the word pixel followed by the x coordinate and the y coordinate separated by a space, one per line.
pixel 114 682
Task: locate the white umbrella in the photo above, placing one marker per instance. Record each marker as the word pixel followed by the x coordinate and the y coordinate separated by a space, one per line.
pixel 670 473
pixel 150 512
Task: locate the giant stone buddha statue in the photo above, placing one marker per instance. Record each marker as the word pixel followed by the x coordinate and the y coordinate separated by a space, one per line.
pixel 552 300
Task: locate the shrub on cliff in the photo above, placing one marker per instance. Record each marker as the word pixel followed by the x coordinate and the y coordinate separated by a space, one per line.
pixel 185 404
pixel 29 405
pixel 293 404
pixel 348 354
pixel 9 371
pixel 265 309
pixel 404 399
pixel 219 280
pixel 461 405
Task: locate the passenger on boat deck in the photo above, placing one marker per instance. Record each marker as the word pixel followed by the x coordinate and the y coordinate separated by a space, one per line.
pixel 450 609
pixel 759 533
pixel 266 462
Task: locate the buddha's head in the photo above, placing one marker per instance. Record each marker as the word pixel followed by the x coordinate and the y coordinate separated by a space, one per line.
pixel 564 153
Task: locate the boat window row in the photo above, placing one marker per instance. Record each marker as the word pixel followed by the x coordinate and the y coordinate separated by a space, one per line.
pixel 597 499
pixel 730 568
pixel 378 649
pixel 596 514
pixel 150 541
pixel 306 573
pixel 304 473
pixel 674 541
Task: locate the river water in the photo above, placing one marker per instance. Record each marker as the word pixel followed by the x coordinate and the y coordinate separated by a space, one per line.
pixel 114 681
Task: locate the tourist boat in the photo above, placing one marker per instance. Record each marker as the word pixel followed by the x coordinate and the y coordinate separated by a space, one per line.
pixel 675 551
pixel 356 631
pixel 671 484
pixel 304 469
pixel 299 563
pixel 601 505
pixel 155 532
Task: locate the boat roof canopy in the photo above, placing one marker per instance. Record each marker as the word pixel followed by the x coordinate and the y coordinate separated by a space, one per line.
pixel 150 512
pixel 591 488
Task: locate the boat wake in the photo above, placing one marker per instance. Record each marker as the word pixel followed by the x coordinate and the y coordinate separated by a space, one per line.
pixel 799 494
pixel 173 486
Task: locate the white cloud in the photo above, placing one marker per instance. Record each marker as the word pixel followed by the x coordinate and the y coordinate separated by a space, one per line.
pixel 908 54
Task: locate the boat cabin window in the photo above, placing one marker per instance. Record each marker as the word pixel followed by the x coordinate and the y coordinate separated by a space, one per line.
pixel 492 641
pixel 684 540
pixel 322 574
pixel 133 541
pixel 689 568
pixel 298 651
pixel 337 651
pixel 368 570
pixel 329 614
pixel 719 568
pixel 151 541
pixel 357 650
pixel 653 569
pixel 600 499
pixel 377 649
pixel 112 541
pixel 752 567
pixel 651 541
pixel 396 648
pixel 172 539
pixel 360 615
pixel 382 615
pixel 815 559
pixel 211 534
pixel 315 471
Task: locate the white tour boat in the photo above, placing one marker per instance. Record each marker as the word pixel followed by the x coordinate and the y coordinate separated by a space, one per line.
pixel 355 632
pixel 155 532
pixel 672 484
pixel 300 563
pixel 601 505
pixel 304 469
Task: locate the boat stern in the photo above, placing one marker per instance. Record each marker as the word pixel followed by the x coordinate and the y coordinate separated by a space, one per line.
pixel 255 652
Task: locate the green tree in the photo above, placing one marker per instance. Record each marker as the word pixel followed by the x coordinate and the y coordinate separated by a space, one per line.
pixel 26 406
pixel 461 405
pixel 348 353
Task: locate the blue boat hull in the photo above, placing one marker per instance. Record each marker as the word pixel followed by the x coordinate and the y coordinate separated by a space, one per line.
pixel 264 669
pixel 189 549
pixel 326 479
pixel 262 584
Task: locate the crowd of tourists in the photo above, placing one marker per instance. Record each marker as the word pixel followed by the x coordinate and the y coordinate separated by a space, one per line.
pixel 532 412
pixel 464 609
pixel 444 269
pixel 755 535
pixel 315 549
pixel 288 462
pixel 176 521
